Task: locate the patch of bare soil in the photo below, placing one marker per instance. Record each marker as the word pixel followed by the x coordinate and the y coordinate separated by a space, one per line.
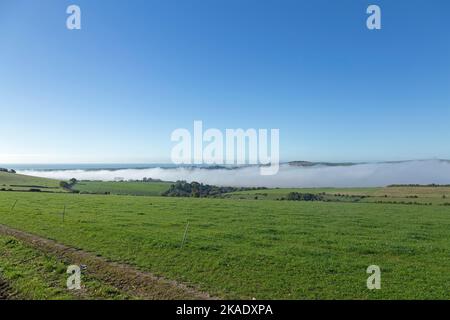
pixel 143 285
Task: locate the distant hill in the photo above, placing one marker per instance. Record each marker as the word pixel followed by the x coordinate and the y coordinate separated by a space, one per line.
pixel 312 164
pixel 301 163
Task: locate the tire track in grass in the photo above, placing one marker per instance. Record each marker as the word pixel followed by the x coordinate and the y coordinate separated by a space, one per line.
pixel 127 278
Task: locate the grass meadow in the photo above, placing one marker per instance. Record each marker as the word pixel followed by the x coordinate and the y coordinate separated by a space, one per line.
pixel 243 249
pixel 18 182
pixel 122 188
pixel 420 194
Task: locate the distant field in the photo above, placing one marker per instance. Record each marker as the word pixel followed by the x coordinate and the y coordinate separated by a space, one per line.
pixel 426 195
pixel 261 249
pixel 18 182
pixel 278 193
pixel 123 188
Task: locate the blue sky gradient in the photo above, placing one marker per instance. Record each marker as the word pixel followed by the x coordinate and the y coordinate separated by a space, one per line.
pixel 115 90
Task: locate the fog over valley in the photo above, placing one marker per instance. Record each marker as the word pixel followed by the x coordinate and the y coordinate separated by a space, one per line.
pixel 357 175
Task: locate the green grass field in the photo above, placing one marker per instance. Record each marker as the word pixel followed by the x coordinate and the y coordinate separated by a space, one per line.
pixel 18 182
pixel 37 276
pixel 123 188
pixel 244 248
pixel 426 195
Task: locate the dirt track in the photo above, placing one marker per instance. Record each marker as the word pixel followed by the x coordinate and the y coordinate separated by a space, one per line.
pixel 137 283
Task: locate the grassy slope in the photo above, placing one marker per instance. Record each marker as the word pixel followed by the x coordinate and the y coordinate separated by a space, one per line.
pixel 123 188
pixel 20 182
pixel 262 249
pixel 24 183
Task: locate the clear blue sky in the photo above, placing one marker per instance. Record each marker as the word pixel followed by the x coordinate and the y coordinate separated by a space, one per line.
pixel 115 90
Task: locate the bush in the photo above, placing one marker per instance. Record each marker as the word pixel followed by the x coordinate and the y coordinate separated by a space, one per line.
pixel 64 185
pixel 199 190
pixel 296 196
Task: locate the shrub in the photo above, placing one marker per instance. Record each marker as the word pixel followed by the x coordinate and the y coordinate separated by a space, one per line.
pixel 296 196
pixel 64 185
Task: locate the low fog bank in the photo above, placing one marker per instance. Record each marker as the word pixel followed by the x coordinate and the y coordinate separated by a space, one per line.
pixel 360 175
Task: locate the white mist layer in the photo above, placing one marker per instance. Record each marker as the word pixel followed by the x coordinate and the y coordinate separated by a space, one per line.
pixel 361 175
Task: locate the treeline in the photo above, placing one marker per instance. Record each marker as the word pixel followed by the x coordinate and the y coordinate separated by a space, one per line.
pixel 8 171
pixel 148 180
pixel 432 185
pixel 405 203
pixel 200 190
pixel 297 196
